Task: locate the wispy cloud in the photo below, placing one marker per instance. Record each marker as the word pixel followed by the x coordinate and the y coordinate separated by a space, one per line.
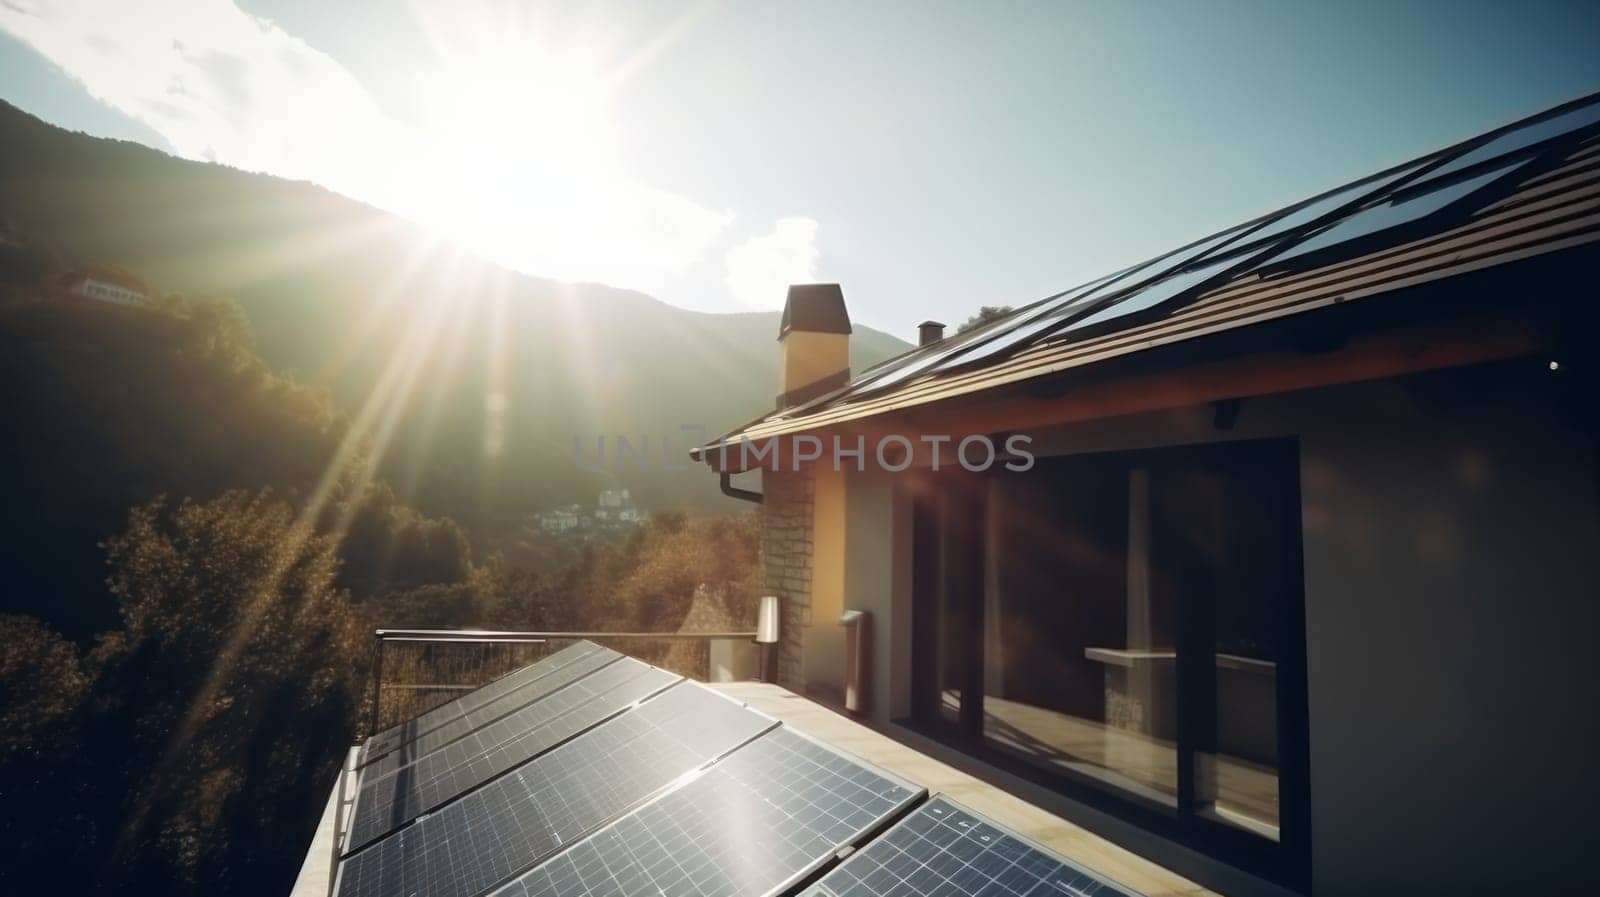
pixel 761 269
pixel 220 84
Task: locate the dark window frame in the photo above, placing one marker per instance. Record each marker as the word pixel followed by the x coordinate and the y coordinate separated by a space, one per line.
pixel 1287 861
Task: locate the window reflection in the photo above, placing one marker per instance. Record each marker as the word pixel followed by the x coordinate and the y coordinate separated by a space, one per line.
pixel 1079 656
pixel 1078 608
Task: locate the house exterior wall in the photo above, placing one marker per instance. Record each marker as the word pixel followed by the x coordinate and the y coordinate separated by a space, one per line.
pixel 823 658
pixel 1451 530
pixel 786 543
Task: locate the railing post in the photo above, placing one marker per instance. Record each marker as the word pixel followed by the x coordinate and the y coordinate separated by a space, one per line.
pixel 377 683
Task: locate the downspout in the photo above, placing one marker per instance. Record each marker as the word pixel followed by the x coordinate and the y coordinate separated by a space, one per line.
pixel 732 491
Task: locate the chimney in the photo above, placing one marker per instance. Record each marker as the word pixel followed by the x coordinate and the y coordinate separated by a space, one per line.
pixel 929 332
pixel 813 343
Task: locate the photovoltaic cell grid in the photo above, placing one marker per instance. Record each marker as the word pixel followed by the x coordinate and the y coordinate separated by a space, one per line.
pixel 758 820
pixel 947 850
pixel 393 800
pixel 428 742
pixel 473 724
pixel 390 738
pixel 516 821
pixel 1367 212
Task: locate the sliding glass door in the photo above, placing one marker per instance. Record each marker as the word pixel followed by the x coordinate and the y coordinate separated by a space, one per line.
pixel 1127 628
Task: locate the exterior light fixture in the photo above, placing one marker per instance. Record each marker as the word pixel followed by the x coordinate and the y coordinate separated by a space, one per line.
pixel 1555 365
pixel 767 620
pixel 766 634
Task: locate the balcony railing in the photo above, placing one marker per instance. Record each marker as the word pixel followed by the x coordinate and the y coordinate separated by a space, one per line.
pixel 415 670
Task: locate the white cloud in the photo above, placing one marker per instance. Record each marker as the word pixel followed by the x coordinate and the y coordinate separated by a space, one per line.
pixel 761 269
pixel 217 83
pixel 226 86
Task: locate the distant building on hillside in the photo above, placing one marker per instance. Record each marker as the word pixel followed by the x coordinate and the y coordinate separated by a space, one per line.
pixel 561 520
pixel 105 285
pixel 614 511
pixel 616 507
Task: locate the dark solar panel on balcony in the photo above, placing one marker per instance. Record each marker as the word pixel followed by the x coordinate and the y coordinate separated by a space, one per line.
pixel 947 850
pixel 390 801
pixel 433 739
pixel 756 823
pixel 394 736
pixel 516 821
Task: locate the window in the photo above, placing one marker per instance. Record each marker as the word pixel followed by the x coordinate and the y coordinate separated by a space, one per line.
pixel 1127 629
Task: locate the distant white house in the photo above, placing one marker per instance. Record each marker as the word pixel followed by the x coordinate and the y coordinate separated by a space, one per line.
pixel 106 285
pixel 616 507
pixel 561 520
pixel 614 511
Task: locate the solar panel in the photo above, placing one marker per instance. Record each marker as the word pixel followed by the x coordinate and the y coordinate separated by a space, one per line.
pixel 754 824
pixel 1394 213
pixel 1522 138
pixel 512 823
pixel 390 738
pixel 1153 295
pixel 432 740
pixel 1311 212
pixel 1157 275
pixel 944 849
pixel 1047 324
pixel 390 801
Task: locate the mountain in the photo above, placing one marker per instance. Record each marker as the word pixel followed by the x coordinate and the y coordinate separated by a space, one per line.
pixel 474 378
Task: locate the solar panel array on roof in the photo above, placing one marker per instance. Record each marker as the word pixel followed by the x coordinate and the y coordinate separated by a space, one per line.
pixel 390 801
pixel 427 740
pixel 519 819
pixel 393 737
pixel 1410 207
pixel 947 850
pixel 628 780
pixel 755 823
pixel 1433 192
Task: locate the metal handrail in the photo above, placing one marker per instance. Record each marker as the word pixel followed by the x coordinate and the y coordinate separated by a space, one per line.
pixel 526 636
pixel 498 636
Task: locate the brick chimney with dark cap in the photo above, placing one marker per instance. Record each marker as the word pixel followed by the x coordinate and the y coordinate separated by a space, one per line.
pixel 813 343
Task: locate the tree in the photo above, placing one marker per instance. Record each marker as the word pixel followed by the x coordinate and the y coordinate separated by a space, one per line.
pixel 229 697
pixel 985 314
pixel 42 682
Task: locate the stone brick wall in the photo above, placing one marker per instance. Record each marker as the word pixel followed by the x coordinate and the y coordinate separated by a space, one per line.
pixel 786 564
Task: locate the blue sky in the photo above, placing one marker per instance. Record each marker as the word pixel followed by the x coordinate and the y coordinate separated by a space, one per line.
pixel 932 158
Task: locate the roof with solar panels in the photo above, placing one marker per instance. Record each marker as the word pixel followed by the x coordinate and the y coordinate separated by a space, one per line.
pixel 1523 190
pixel 592 773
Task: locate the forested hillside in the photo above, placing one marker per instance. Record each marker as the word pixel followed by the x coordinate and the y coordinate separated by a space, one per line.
pixel 197 551
pixel 491 373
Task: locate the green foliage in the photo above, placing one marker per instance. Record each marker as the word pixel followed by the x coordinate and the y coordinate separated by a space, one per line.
pixel 42 682
pixel 236 679
pixel 117 405
pixel 650 583
pixel 336 288
pixel 985 314
pixel 113 406
pixel 390 547
pixel 217 714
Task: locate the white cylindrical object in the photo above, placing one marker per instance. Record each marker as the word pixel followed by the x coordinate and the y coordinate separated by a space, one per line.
pixel 767 620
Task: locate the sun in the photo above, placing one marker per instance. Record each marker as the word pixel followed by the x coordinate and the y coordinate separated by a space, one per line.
pixel 518 150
